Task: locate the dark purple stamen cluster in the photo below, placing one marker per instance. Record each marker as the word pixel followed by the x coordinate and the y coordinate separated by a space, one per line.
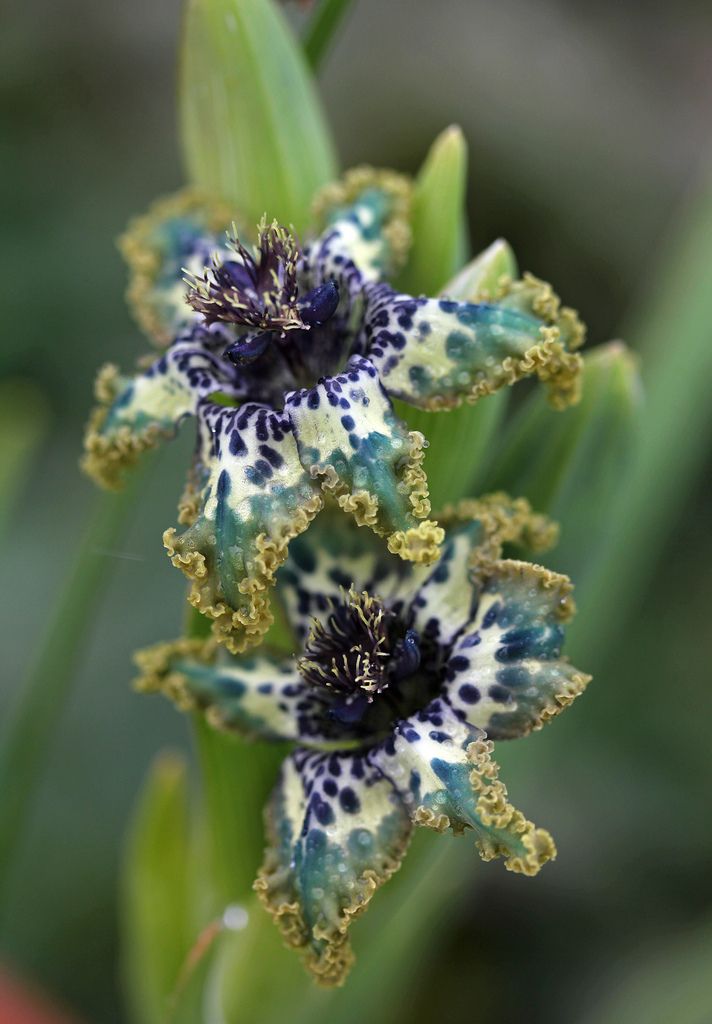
pixel 358 657
pixel 258 293
pixel 349 652
pixel 259 296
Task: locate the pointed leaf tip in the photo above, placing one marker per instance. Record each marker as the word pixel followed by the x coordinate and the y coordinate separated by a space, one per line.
pixel 438 214
pixel 573 464
pixel 481 276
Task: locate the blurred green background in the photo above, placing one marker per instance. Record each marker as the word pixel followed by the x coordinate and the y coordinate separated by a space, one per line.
pixel 589 137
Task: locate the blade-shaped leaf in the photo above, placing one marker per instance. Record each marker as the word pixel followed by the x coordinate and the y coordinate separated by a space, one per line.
pixel 573 464
pixel 321 29
pixel 156 919
pixel 458 444
pixel 23 422
pixel 252 128
pixel 459 439
pixel 438 217
pixel 671 330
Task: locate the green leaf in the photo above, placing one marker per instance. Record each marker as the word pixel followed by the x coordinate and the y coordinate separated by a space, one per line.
pixel 482 274
pixel 156 916
pixel 322 27
pixel 23 423
pixel 458 444
pixel 32 718
pixel 237 778
pixel 460 439
pixel 671 330
pixel 573 464
pixel 438 217
pixel 253 131
pixel 247 964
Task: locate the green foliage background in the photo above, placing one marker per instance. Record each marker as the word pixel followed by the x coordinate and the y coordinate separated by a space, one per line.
pixel 590 151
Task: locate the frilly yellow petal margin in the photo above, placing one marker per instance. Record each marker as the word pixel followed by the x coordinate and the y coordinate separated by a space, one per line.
pixel 564 698
pixel 331 964
pixel 107 456
pixel 157 676
pixel 548 359
pixel 143 258
pixel 190 501
pixel 503 520
pixel 556 586
pixel 413 478
pixel 496 813
pixel 531 294
pixel 239 629
pixel 398 187
pixel 419 543
pixel 553 359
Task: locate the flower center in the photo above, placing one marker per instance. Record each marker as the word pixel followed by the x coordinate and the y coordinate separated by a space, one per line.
pixel 359 660
pixel 258 295
pixel 256 291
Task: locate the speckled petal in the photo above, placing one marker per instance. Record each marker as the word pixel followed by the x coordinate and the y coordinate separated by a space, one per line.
pixel 366 230
pixel 433 353
pixel 443 769
pixel 135 413
pixel 256 499
pixel 258 696
pixel 336 832
pixel 350 438
pixel 178 234
pixel 506 674
pixel 330 557
pixel 445 599
pixel 476 530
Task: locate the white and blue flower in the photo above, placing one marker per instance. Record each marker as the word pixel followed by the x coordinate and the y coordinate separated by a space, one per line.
pixel 405 676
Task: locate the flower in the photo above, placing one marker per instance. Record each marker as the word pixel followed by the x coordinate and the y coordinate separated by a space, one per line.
pixel 289 357
pixel 405 677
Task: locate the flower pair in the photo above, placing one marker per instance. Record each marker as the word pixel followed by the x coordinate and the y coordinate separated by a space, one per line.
pixel 415 652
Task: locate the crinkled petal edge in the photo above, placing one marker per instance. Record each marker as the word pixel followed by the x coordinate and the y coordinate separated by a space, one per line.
pixel 504 520
pixel 242 628
pixel 107 456
pixel 553 359
pixel 156 676
pixel 331 966
pixel 495 811
pixel 144 261
pixel 420 543
pixel 398 187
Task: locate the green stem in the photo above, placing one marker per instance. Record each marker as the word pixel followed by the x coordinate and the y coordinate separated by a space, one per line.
pixel 237 777
pixel 23 425
pixel 324 23
pixel 28 733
